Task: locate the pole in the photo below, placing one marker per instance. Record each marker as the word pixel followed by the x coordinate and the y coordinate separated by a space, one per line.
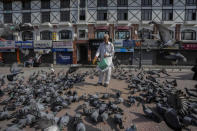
pixel 140 62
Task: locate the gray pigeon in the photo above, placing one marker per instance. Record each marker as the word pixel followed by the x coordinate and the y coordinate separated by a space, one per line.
pixel 64 120
pixel 80 127
pixel 94 116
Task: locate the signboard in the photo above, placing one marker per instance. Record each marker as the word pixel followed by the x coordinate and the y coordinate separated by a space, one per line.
pixel 42 51
pixel 7 44
pixel 123 50
pixel 43 44
pixel 62 50
pixel 128 43
pixel 94 43
pixel 64 58
pixel 24 44
pixel 62 44
pixel 7 50
pixel 190 46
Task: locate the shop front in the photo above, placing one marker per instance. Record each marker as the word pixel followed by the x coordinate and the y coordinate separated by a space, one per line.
pixel 93 45
pixel 124 51
pixel 44 47
pixel 26 50
pixel 7 51
pixel 62 51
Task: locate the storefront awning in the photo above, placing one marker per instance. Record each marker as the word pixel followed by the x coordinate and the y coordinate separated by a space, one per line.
pixel 122 27
pixel 102 27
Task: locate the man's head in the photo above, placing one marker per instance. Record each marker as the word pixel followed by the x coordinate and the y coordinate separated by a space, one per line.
pixel 106 38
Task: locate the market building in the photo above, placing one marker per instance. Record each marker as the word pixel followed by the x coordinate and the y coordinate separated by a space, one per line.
pixel 73 29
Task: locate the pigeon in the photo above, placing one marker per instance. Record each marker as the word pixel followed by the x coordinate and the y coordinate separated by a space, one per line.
pixel 132 128
pixel 64 120
pixel 172 119
pixel 151 114
pixel 118 120
pixel 104 116
pixel 80 127
pixel 94 116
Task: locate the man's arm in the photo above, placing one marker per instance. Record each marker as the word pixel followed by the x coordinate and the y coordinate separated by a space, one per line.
pixel 97 54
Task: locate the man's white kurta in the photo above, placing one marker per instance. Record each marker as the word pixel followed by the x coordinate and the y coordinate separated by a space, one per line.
pixel 107 49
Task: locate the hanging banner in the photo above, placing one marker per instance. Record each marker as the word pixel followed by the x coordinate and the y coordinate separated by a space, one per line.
pixel 62 50
pixel 62 44
pixel 24 44
pixel 190 46
pixel 63 58
pixel 7 45
pixel 43 44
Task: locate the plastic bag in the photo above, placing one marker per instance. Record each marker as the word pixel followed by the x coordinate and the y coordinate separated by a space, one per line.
pixel 104 64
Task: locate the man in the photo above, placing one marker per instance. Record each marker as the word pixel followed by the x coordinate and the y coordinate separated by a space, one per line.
pixel 106 49
pixel 194 69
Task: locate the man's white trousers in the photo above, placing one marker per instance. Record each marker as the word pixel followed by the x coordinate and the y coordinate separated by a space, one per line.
pixel 106 74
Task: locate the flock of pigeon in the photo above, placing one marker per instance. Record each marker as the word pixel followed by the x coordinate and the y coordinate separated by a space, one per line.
pixel 36 101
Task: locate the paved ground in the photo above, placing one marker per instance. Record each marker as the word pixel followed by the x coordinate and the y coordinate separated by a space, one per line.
pixel 133 114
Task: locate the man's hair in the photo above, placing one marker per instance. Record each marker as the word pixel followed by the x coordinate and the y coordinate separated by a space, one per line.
pixel 106 36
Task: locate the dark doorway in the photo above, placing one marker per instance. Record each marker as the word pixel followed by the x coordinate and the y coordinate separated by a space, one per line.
pixel 82 54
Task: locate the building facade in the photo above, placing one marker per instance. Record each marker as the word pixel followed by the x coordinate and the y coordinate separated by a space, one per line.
pixel 73 27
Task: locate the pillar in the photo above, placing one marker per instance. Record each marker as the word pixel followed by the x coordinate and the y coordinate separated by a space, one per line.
pixel 18 55
pixel 155 31
pixel 111 31
pixel 75 46
pixel 178 32
pixel 91 35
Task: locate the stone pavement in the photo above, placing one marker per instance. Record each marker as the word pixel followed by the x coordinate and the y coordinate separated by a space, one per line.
pixel 132 114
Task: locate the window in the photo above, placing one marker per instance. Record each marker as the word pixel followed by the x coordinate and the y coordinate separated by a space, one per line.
pixel 27 35
pixel 167 2
pixel 190 15
pixel 101 3
pixel 146 2
pixel 82 34
pixel 146 14
pixel 64 16
pixel 167 15
pixel 9 37
pixel 191 2
pixel 46 35
pixel 8 18
pixel 146 33
pixel 172 34
pixel 122 15
pixel 188 35
pixel 82 15
pixel 45 4
pixel 26 5
pixel 65 4
pixel 65 34
pixel 101 14
pixel 122 34
pixel 121 3
pixel 99 34
pixel 82 3
pixel 45 17
pixel 26 17
pixel 7 5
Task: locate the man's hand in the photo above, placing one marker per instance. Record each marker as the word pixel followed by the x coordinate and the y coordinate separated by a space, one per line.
pixel 94 61
pixel 105 55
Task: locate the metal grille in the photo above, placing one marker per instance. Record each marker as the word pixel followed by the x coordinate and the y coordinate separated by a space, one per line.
pixel 64 3
pixel 8 18
pixel 26 17
pixel 82 15
pixel 101 3
pixel 64 16
pixel 45 17
pixel 123 14
pixel 167 14
pixel 122 3
pixel 26 5
pixel 45 4
pixel 101 14
pixel 46 35
pixel 7 5
pixel 190 14
pixel 146 14
pixel 27 35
